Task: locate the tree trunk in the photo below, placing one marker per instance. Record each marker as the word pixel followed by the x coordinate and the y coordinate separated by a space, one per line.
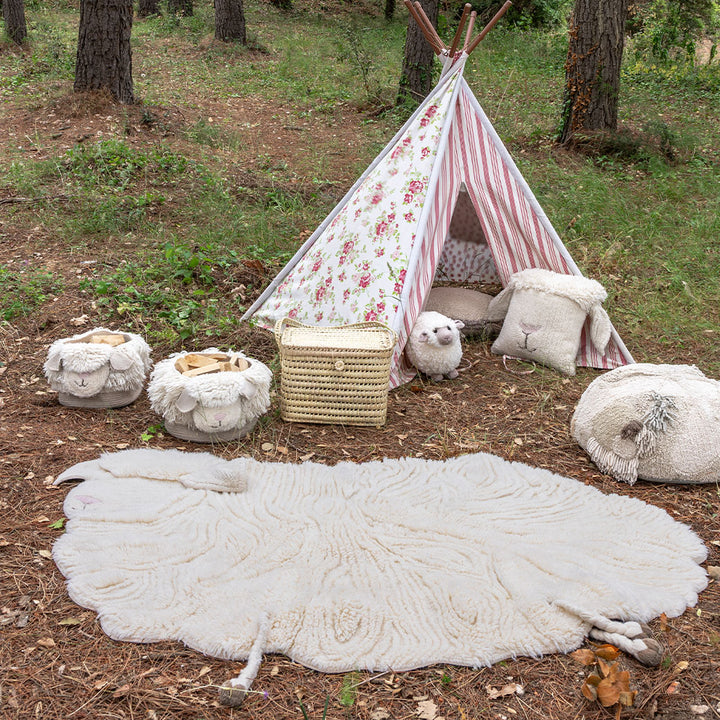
pixel 416 78
pixel 180 7
pixel 14 17
pixel 147 8
pixel 389 9
pixel 104 56
pixel 592 68
pixel 230 21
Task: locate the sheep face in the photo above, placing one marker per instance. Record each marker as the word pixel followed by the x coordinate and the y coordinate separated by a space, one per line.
pixel 544 314
pixel 86 384
pixel 218 418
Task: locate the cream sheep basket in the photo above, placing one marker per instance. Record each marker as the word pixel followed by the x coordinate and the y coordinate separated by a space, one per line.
pixel 98 369
pixel 210 396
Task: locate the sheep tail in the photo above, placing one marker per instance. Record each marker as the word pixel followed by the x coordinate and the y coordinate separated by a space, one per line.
pixel 234 691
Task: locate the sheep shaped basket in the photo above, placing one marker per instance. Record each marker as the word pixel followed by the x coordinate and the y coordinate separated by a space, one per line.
pixel 210 396
pixel 544 313
pixel 655 422
pixel 98 369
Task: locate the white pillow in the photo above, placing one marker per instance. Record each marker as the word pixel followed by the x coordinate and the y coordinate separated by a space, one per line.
pixel 544 313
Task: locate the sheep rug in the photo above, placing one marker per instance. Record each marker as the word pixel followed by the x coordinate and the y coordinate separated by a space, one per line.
pixel 392 564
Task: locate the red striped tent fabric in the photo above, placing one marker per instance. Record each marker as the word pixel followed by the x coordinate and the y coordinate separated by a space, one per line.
pixel 375 256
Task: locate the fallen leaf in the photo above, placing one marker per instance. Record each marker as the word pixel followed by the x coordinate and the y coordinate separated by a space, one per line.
pixel 672 687
pixel 121 691
pixel 427 710
pixel 379 714
pixel 304 458
pixel 504 691
pixel 682 665
pixel 45 554
pixel 122 446
pixel 714 572
pixel 584 656
pixel 607 652
pixel 70 621
pixel 81 320
pixel 267 447
pixel 204 671
pixel 46 642
pixel 664 624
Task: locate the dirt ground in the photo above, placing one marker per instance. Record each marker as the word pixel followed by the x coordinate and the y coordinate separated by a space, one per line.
pixel 55 661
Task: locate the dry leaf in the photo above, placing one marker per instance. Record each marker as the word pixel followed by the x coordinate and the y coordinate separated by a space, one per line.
pixel 714 572
pixel 81 320
pixel 589 688
pixel 504 691
pixel 304 458
pixel 610 687
pixel 682 665
pixel 46 642
pixel 607 652
pixel 45 554
pixel 379 714
pixel 267 447
pixel 672 687
pixel 584 656
pixel 427 710
pixel 664 624
pixel 121 691
pixel 204 671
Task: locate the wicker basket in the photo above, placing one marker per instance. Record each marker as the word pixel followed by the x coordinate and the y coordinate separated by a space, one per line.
pixel 334 374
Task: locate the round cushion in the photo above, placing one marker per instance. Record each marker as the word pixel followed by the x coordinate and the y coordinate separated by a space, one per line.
pixel 470 306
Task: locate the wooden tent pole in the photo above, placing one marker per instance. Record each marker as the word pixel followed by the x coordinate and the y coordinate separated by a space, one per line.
pixel 489 26
pixel 429 26
pixel 423 28
pixel 458 32
pixel 471 25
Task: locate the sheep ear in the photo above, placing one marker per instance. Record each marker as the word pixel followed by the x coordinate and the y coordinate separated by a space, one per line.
pixel 54 361
pixel 423 337
pixel 600 327
pixel 185 403
pixel 120 360
pixel 248 389
pixel 498 306
pixel 459 324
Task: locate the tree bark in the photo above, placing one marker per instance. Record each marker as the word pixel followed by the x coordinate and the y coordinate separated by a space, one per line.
pixel 104 56
pixel 180 7
pixel 14 17
pixel 147 8
pixel 592 68
pixel 416 78
pixel 230 21
pixel 389 9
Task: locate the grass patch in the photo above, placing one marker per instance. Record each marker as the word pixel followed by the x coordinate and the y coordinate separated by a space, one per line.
pixel 24 290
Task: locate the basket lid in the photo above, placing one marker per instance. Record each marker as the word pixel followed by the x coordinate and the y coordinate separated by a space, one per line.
pixel 373 337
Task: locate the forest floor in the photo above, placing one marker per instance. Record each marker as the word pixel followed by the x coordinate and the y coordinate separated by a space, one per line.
pixel 55 661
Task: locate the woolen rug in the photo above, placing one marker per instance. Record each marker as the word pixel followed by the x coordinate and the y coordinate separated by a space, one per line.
pixel 392 564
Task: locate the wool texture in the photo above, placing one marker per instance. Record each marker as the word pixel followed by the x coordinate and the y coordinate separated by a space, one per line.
pixel 119 368
pixel 245 395
pixel 392 564
pixel 654 422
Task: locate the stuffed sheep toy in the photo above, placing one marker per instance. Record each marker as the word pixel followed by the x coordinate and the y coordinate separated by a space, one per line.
pixel 654 422
pixel 544 313
pixel 434 346
pixel 98 369
pixel 210 396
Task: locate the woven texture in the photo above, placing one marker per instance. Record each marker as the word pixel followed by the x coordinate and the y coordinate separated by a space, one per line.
pixel 334 374
pixel 397 564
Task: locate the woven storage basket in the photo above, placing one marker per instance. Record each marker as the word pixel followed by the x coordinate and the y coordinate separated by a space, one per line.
pixel 334 374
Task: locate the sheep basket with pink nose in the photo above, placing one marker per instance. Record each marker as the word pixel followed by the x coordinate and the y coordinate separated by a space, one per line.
pixel 210 396
pixel 98 369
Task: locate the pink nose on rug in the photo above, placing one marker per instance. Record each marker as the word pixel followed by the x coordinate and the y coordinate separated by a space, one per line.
pixel 219 416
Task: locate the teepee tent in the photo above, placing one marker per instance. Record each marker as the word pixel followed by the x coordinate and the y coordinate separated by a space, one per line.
pixel 443 200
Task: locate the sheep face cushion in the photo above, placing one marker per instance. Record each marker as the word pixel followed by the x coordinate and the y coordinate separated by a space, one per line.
pixel 544 313
pixel 654 422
